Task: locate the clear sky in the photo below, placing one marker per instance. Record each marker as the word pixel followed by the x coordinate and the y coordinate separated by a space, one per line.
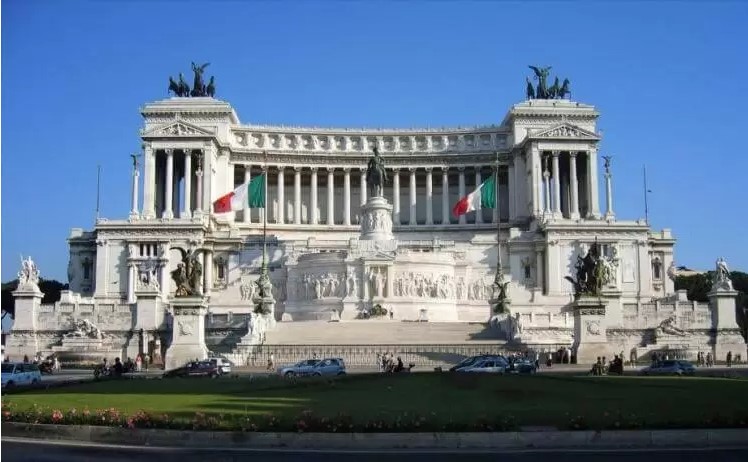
pixel 667 77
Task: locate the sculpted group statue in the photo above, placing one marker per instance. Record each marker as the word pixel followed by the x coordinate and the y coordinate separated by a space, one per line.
pixel 722 275
pixel 376 175
pixel 182 89
pixel 543 91
pixel 593 272
pixel 29 274
pixel 83 328
pixel 188 275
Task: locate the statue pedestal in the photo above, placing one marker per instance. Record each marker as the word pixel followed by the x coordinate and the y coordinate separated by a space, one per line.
pixel 376 220
pixel 187 331
pixel 727 335
pixel 590 334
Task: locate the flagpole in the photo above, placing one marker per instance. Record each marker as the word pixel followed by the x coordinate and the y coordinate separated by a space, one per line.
pixel 499 268
pixel 646 205
pixel 265 214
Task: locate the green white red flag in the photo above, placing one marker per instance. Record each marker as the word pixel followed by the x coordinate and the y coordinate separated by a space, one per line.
pixel 483 197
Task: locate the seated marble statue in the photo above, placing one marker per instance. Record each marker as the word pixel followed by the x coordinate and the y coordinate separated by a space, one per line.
pixel 668 327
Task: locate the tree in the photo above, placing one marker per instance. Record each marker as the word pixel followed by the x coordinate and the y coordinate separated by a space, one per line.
pixel 50 288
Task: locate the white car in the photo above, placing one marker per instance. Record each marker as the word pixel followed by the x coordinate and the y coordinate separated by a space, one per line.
pixel 224 365
pixel 15 374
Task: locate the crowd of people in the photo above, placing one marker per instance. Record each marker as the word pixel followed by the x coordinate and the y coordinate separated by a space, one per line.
pixel 388 363
pixel 603 367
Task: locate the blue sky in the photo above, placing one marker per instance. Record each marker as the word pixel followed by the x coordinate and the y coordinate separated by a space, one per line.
pixel 667 77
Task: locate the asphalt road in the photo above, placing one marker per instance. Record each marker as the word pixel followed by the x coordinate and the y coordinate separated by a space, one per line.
pixel 17 450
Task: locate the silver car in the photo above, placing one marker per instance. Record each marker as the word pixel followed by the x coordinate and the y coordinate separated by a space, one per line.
pixel 495 365
pixel 670 367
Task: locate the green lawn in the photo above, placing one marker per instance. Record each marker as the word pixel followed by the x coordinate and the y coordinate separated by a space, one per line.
pixel 527 400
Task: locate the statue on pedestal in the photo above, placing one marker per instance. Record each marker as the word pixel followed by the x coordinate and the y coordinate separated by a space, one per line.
pixel 543 91
pixel 28 277
pixel 376 175
pixel 188 275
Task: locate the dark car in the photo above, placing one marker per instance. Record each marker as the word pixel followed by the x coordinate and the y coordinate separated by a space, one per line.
pixel 471 361
pixel 195 369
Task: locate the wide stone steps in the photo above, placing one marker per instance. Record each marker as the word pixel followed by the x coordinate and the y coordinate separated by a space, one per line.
pixel 384 332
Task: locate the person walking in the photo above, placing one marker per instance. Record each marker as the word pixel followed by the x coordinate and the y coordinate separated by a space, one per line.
pixel 729 359
pixel 139 363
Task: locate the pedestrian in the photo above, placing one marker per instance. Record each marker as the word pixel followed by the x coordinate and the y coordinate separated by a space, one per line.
pixel 146 360
pixel 139 363
pixel 25 359
pixel 56 364
pixel 729 359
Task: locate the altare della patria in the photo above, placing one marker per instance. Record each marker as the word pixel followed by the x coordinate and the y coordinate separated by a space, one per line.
pixel 247 240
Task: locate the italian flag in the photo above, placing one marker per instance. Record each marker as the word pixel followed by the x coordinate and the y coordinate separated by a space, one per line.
pixel 483 196
pixel 250 195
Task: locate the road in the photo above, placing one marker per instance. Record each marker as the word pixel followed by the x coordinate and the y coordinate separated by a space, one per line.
pixel 20 450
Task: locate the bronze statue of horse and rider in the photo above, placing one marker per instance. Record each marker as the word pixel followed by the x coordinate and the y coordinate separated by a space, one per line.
pixel 180 88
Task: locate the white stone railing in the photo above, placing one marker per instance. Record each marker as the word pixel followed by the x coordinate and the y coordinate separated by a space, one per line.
pixel 689 315
pixel 105 316
pixel 362 141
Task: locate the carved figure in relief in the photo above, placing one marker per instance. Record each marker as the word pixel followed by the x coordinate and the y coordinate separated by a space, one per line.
pixel 83 328
pixel 317 289
pixel 669 327
pixel 148 275
pixel 351 289
pixel 247 291
pixel 185 327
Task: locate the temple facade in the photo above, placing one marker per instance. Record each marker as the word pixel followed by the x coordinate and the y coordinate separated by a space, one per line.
pixel 428 267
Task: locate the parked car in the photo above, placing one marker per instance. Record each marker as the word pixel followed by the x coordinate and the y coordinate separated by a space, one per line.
pixel 471 360
pixel 15 374
pixel 223 364
pixel 496 365
pixel 195 369
pixel 305 367
pixel 670 367
pixel 327 366
pixel 522 366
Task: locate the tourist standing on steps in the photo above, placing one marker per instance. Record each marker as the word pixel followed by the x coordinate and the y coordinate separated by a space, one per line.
pixel 729 359
pixel 271 362
pixel 139 362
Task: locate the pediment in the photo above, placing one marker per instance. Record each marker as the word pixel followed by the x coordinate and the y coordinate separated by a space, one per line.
pixel 178 128
pixel 565 130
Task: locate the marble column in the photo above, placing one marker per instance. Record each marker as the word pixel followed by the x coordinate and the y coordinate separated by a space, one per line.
pixel 609 215
pixel 594 198
pixel 396 197
pixel 132 278
pixel 187 212
pixel 445 195
pixel 199 191
pixel 313 193
pixel 478 210
pixel 429 196
pixel 247 180
pixel 149 182
pixel 134 209
pixel 412 190
pixel 556 185
pixel 168 210
pixel 330 196
pixel 547 189
pixel 574 186
pixel 347 196
pixel 281 214
pixel 534 162
pixel 175 191
pixel 363 186
pixel 297 195
pixel 461 191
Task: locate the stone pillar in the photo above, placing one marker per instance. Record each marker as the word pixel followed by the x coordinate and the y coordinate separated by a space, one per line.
pixel 247 180
pixel 281 216
pixel 429 197
pixel 593 196
pixel 363 186
pixel 574 185
pixel 556 185
pixel 412 221
pixel 347 196
pixel 609 215
pixel 187 212
pixel 199 191
pixel 330 196
pixel 590 333
pixel 461 191
pixel 175 191
pixel 396 197
pixel 132 279
pixel 313 193
pixel 297 195
pixel 22 339
pixel 478 210
pixel 168 210
pixel 547 189
pixel 134 214
pixel 536 183
pixel 445 195
pixel 149 182
pixel 496 217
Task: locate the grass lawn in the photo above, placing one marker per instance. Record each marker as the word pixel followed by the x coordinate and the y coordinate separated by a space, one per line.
pixel 556 401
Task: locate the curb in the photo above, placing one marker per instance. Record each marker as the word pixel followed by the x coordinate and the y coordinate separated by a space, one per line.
pixel 373 441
